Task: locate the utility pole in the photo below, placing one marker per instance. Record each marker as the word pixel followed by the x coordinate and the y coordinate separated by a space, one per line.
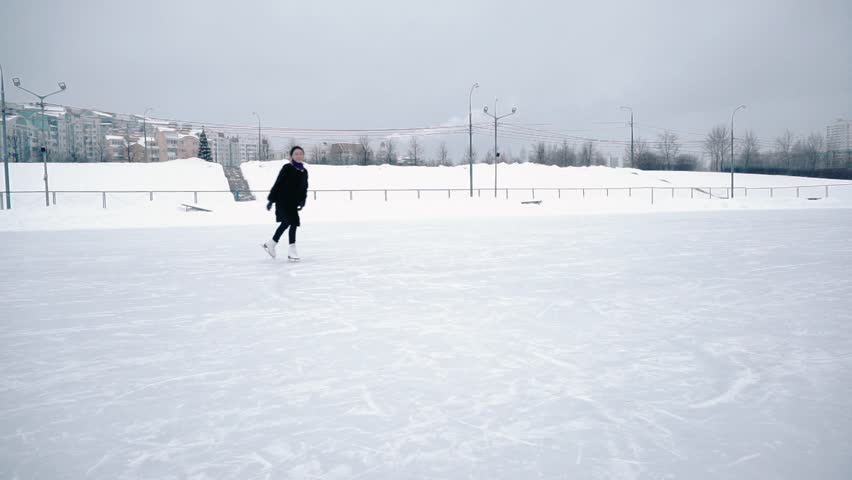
pixel 632 163
pixel 496 153
pixel 732 148
pixel 17 82
pixel 470 119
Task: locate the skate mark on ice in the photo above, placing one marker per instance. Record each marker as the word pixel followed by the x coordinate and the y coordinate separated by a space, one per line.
pixel 745 379
pixel 155 384
pixel 743 459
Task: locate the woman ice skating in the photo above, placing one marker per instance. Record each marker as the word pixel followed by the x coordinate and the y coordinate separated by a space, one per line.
pixel 288 194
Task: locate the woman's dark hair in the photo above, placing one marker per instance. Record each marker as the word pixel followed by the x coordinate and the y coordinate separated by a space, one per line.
pixel 292 150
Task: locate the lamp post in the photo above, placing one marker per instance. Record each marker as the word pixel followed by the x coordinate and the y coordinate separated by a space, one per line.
pixel 496 153
pixel 5 139
pixel 62 87
pixel 470 120
pixel 145 132
pixel 258 134
pixel 732 148
pixel 632 164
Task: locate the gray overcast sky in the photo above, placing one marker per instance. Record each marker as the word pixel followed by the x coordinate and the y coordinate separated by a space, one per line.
pixel 384 63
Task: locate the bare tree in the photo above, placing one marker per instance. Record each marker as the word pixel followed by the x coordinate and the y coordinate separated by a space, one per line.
pixel 390 152
pixel 316 153
pixel 102 150
pixel 587 153
pixel 365 150
pixel 750 149
pixel 641 151
pixel 668 146
pixel 467 156
pixel 415 149
pixel 784 146
pixel 716 144
pixel 443 154
pixel 814 146
pixel 539 153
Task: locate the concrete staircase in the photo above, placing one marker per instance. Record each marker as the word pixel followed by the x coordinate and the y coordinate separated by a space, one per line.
pixel 238 184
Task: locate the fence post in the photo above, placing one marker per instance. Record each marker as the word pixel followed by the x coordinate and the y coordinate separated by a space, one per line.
pixel 630 192
pixel 652 195
pixel 448 193
pixel 672 192
pixel 386 195
pixel 315 195
pixel 826 191
pixel 104 197
pixel 771 192
pixel 507 194
pixel 559 192
pixel 607 193
pixel 533 193
pixel 797 192
pixel 151 194
pixel 746 192
pixel 195 196
pixel 54 197
pixel 584 193
pixel 350 194
pixel 691 193
pixel 479 192
pixel 2 200
pixel 418 194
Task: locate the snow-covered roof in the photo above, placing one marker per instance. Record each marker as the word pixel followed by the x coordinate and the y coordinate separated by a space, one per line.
pixel 102 114
pixel 114 137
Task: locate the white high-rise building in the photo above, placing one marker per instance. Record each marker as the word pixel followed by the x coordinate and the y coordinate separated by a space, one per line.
pixel 838 136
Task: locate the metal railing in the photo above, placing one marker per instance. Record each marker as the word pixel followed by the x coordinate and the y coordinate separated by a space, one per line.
pixel 695 192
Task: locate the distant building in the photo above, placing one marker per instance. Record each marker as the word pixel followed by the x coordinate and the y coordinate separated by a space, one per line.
pixel 838 136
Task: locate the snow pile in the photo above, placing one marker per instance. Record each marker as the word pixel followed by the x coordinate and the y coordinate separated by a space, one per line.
pixel 187 174
pixel 628 192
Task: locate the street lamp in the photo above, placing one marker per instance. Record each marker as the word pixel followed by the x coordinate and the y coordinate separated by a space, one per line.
pixel 62 87
pixel 470 119
pixel 5 139
pixel 496 154
pixel 632 163
pixel 258 134
pixel 145 133
pixel 732 148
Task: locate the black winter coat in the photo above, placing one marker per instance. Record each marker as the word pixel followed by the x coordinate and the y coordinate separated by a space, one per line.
pixel 289 194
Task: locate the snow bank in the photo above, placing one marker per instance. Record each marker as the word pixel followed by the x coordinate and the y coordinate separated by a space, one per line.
pixel 187 174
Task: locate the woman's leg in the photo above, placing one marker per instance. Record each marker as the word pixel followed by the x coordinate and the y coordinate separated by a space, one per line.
pixel 293 234
pixel 280 231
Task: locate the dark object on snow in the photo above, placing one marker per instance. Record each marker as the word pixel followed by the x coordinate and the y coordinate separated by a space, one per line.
pixel 194 208
pixel 289 194
pixel 531 202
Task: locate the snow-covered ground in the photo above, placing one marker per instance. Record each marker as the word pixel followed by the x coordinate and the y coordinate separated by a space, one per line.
pixel 627 192
pixel 698 345
pixel 189 174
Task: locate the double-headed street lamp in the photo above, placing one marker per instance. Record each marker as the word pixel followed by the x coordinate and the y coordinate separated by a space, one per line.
pixel 17 82
pixel 496 153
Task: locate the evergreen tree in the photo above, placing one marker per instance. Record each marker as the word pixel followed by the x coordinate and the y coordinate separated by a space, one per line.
pixel 204 148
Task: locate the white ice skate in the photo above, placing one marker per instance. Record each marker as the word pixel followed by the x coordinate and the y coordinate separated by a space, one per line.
pixel 269 246
pixel 292 254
